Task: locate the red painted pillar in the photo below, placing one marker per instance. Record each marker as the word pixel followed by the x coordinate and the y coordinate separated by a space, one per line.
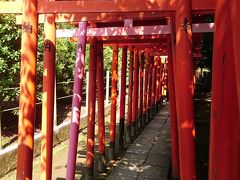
pixel 27 89
pixel 123 96
pixel 173 114
pixel 91 108
pixel 166 78
pixel 100 100
pixel 48 97
pixel 224 161
pixel 235 5
pixel 141 89
pixel 154 83
pixel 130 90
pixel 157 81
pixel 135 95
pixel 113 103
pixel 184 89
pixel 76 100
pixel 145 105
pixel 150 87
pixel 161 82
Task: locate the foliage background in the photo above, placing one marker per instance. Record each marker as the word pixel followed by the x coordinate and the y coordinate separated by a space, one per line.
pixel 10 43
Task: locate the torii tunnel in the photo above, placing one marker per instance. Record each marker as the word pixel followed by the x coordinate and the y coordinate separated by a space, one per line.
pixel 147 29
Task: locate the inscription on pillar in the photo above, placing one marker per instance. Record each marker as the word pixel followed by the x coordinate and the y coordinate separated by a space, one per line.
pixel 185 24
pixel 27 27
pixel 47 46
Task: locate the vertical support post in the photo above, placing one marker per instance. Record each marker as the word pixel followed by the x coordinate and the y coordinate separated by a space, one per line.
pixel 161 83
pixel 163 76
pixel 130 92
pixel 145 104
pixel 107 87
pixel 123 96
pixel 235 5
pixel 184 89
pixel 55 101
pixel 100 100
pixel 91 108
pixel 135 94
pixel 173 114
pixel 27 89
pixel 150 87
pixel 154 83
pixel 141 89
pixel 87 90
pixel 224 160
pixel 48 96
pixel 113 103
pixel 157 82
pixel 76 100
pixel 166 79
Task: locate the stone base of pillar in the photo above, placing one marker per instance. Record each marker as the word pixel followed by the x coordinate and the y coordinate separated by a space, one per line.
pixel 112 151
pixel 101 163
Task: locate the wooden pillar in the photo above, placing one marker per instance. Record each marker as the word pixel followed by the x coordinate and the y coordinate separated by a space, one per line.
pixel 123 96
pixel 145 105
pixel 130 90
pixel 76 100
pixel 135 95
pixel 157 82
pixel 154 84
pixel 184 89
pixel 141 89
pixel 91 108
pixel 113 103
pixel 235 5
pixel 48 96
pixel 150 87
pixel 166 78
pixel 160 81
pixel 27 89
pixel 100 100
pixel 224 161
pixel 173 114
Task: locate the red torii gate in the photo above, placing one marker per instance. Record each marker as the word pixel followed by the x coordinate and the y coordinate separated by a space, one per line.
pixel 182 58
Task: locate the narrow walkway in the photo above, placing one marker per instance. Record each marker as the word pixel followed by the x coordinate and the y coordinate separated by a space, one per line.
pixel 150 155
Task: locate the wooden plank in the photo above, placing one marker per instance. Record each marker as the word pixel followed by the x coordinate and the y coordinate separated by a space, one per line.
pixel 116 6
pixel 117 31
pixel 133 31
pixel 104 6
pixel 100 17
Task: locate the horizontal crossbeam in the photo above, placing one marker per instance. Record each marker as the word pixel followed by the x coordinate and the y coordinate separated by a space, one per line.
pixel 132 31
pixel 117 31
pixel 116 6
pixel 101 17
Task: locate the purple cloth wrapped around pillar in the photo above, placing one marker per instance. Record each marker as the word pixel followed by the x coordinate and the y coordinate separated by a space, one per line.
pixel 77 100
